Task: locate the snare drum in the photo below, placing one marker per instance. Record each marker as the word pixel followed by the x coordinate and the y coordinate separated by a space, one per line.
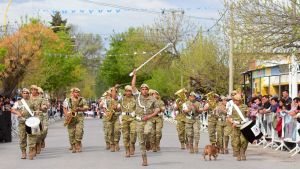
pixel 251 131
pixel 33 125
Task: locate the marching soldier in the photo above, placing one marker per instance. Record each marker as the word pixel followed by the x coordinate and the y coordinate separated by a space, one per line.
pixel 113 123
pixel 147 107
pixel 157 123
pixel 228 128
pixel 128 107
pixel 212 117
pixel 22 115
pixel 239 142
pixel 103 106
pixel 221 113
pixel 192 125
pixel 180 118
pixel 44 117
pixel 73 111
pixel 37 105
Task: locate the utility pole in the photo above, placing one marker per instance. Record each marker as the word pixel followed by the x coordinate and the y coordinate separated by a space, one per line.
pixel 231 50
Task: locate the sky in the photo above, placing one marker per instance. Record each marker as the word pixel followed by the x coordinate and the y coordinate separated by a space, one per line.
pixel 91 16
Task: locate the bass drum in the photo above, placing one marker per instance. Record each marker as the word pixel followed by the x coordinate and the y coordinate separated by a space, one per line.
pixel 251 131
pixel 33 125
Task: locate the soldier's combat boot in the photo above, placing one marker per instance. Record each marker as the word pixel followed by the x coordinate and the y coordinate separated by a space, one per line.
pixel 148 146
pixel 238 156
pixel 73 148
pixel 107 146
pixel 23 154
pixel 112 148
pixel 243 155
pixel 182 146
pixel 78 147
pixel 191 148
pixel 226 140
pixel 158 147
pixel 221 151
pixel 153 147
pixel 187 146
pixel 127 155
pixel 131 149
pixel 196 148
pixel 144 160
pixel 38 148
pixel 43 144
pixel 31 153
pixel 117 147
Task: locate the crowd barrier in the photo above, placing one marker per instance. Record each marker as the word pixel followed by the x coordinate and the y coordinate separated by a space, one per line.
pixel 279 135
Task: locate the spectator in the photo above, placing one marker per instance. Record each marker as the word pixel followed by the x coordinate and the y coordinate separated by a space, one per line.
pixel 286 97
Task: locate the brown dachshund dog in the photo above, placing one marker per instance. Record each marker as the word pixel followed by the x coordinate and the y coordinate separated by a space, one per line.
pixel 211 150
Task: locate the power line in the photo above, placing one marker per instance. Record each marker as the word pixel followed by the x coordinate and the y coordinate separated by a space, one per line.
pixel 144 10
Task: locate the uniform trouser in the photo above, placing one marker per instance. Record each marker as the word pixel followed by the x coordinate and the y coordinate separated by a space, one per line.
pixel 113 127
pixel 156 133
pixel 227 133
pixel 23 137
pixel 128 131
pixel 45 126
pixel 180 126
pixel 75 129
pixel 212 125
pixel 192 128
pixel 105 130
pixel 238 140
pixel 40 134
pixel 220 134
pixel 143 129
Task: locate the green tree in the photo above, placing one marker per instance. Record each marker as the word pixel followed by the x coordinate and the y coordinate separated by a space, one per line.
pixel 59 24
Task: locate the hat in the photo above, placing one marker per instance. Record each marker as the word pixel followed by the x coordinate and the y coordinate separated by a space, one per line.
pixel 75 89
pixel 152 91
pixel 25 90
pixel 40 90
pixel 128 87
pixel 233 93
pixel 237 97
pixel 223 98
pixel 34 87
pixel 144 86
pixel 108 92
pixel 193 94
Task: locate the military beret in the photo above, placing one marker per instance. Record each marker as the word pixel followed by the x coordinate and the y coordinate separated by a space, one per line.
pixel 25 90
pixel 34 87
pixel 144 86
pixel 128 87
pixel 75 89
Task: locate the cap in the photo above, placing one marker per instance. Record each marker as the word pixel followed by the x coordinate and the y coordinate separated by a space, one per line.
pixel 34 87
pixel 75 89
pixel 104 94
pixel 193 94
pixel 233 93
pixel 144 86
pixel 128 87
pixel 237 97
pixel 40 90
pixel 223 98
pixel 25 90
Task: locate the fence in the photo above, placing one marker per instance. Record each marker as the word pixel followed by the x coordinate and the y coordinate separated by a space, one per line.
pixel 280 131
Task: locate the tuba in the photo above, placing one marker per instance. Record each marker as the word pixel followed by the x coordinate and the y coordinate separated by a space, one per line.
pixel 211 100
pixel 181 97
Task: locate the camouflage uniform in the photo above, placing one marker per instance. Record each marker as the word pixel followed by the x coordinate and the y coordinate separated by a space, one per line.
pixel 144 106
pixel 128 123
pixel 45 123
pixel 192 126
pixel 221 124
pixel 36 107
pixel 212 124
pixel 180 126
pixel 75 127
pixel 22 128
pixel 239 142
pixel 113 126
pixel 157 123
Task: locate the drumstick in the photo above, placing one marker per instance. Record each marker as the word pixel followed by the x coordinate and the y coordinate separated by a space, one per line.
pixel 131 74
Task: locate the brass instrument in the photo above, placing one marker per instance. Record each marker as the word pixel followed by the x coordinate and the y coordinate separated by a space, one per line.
pixel 110 111
pixel 69 117
pixel 181 97
pixel 211 100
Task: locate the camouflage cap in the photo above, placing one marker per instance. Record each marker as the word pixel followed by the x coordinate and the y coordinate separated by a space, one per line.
pixel 237 97
pixel 144 86
pixel 128 87
pixel 34 87
pixel 40 90
pixel 193 94
pixel 223 98
pixel 25 90
pixel 75 89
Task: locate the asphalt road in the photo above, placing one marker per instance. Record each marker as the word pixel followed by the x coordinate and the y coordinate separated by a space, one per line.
pixel 94 156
